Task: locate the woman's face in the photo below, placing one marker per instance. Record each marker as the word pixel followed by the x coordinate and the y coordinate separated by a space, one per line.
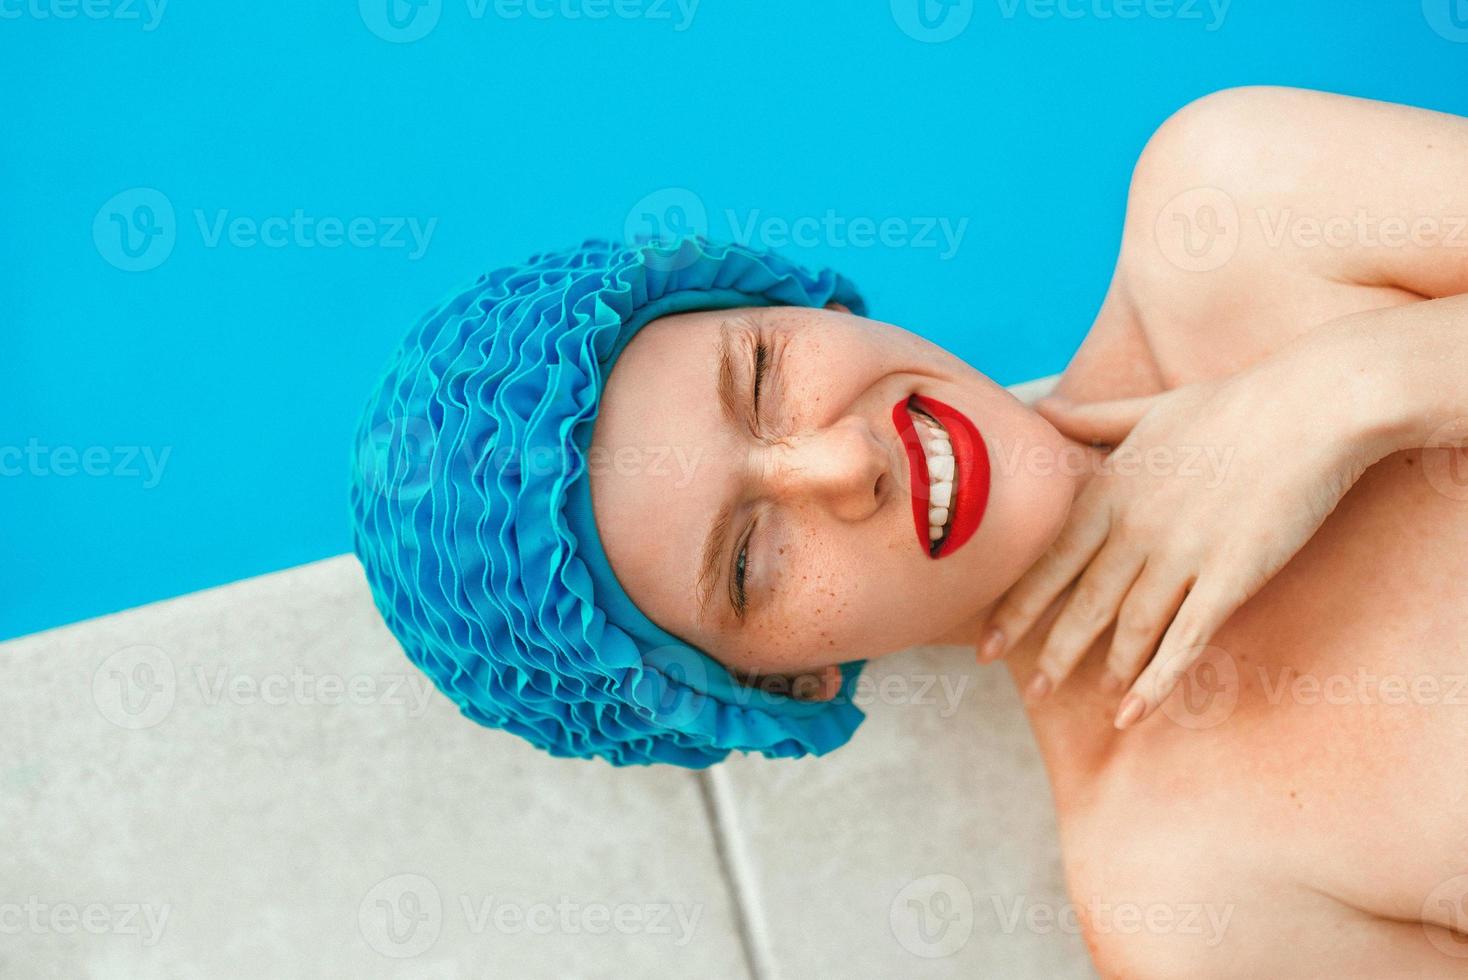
pixel 817 559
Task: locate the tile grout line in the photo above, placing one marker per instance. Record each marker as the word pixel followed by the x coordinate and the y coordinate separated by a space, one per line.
pixel 729 846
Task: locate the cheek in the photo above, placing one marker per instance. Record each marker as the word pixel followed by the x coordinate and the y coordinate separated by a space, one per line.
pixel 824 374
pixel 845 598
pixel 1034 480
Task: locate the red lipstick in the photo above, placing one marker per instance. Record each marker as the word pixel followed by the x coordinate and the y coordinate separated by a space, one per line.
pixel 971 473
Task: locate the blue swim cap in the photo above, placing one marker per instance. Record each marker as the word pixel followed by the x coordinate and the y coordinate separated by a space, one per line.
pixel 472 513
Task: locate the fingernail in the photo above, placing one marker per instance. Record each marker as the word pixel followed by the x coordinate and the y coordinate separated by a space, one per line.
pixel 1132 707
pixel 1039 687
pixel 993 645
pixel 1110 683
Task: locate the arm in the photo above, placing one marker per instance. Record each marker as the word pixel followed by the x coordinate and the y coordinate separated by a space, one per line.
pixel 1410 366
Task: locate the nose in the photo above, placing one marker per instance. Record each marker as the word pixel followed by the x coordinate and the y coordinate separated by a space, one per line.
pixel 843 466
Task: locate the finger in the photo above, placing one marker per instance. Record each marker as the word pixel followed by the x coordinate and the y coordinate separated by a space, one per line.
pixel 1207 606
pixel 1148 609
pixel 1097 422
pixel 1089 609
pixel 1084 532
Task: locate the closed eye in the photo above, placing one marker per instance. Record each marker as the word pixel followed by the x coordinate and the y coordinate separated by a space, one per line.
pixel 741 567
pixel 761 361
pixel 741 558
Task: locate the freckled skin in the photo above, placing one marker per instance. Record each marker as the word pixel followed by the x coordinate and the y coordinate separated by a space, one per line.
pixel 825 481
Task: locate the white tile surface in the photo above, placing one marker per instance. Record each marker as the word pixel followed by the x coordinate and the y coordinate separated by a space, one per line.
pixel 910 851
pixel 270 822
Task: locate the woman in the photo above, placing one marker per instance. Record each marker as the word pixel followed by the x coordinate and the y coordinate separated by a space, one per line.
pixel 776 488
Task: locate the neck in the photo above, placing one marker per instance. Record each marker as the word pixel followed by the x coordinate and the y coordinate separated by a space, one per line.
pixel 969 632
pixel 1080 704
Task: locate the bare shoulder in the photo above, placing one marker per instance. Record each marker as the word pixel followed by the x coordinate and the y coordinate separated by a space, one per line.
pixel 1256 214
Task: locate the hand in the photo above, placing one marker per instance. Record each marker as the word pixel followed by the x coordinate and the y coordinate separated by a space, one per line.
pixel 1209 491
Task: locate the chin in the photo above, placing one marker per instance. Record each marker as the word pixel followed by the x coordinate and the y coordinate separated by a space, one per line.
pixel 1035 474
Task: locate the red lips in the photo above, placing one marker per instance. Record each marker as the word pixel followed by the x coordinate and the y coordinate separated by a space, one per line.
pixel 970 464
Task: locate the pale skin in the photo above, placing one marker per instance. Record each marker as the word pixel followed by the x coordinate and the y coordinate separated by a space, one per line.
pixel 1305 778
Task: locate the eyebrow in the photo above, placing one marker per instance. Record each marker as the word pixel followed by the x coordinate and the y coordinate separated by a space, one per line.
pixel 717 540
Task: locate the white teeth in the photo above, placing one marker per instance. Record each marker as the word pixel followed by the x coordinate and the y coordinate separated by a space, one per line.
pixel 939 453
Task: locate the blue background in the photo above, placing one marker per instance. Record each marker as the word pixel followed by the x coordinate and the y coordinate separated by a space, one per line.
pixel 248 364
